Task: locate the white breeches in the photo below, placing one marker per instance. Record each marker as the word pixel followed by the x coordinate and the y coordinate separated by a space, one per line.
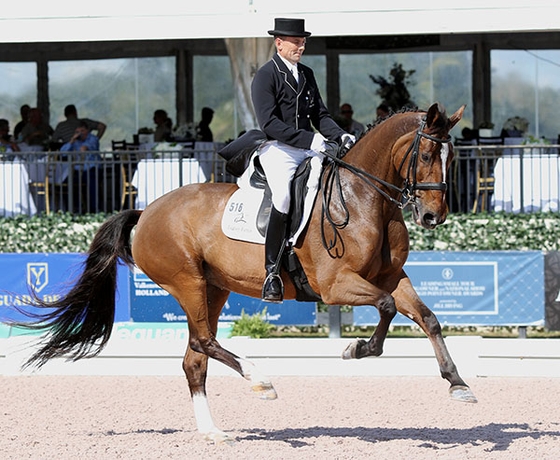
pixel 280 162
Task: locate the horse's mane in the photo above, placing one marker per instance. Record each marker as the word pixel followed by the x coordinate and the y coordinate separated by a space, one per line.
pixel 378 121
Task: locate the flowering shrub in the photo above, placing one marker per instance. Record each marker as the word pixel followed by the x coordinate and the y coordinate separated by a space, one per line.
pixel 489 232
pixel 58 232
pixel 64 232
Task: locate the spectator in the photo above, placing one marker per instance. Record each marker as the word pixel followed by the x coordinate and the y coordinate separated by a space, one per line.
pixel 382 111
pixel 163 126
pixel 7 144
pixel 352 126
pixel 36 132
pixel 86 167
pixel 24 112
pixel 66 129
pixel 203 131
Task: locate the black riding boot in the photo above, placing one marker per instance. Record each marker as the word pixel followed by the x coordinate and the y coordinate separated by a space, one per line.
pixel 273 288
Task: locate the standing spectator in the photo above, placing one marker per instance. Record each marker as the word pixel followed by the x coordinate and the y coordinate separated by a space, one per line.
pixel 163 126
pixel 65 130
pixel 86 167
pixel 36 132
pixel 24 112
pixel 203 131
pixel 354 127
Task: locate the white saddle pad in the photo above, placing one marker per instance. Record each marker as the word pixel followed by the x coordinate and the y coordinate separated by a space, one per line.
pixel 239 221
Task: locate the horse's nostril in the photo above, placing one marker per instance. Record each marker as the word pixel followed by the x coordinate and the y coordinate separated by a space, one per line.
pixel 430 220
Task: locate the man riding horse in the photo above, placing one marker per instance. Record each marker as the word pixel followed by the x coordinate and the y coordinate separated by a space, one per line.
pixel 288 106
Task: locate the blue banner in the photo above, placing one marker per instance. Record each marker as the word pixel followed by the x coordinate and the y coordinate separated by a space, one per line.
pixel 290 312
pixel 474 288
pixel 49 276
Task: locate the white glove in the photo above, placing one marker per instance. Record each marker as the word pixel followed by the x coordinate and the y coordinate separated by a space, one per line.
pixel 318 143
pixel 348 140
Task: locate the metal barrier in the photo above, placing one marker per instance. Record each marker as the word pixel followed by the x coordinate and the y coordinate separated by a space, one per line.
pixel 108 181
pixel 511 178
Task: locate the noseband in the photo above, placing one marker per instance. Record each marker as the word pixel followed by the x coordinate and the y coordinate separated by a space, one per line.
pixel 407 192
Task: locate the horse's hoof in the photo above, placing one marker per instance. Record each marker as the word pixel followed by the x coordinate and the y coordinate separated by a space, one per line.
pixel 219 437
pixel 351 350
pixel 462 393
pixel 265 391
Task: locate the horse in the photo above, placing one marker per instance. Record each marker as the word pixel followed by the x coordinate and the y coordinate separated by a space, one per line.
pixel 352 250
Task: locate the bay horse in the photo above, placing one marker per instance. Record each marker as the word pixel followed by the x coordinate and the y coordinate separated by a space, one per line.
pixel 353 251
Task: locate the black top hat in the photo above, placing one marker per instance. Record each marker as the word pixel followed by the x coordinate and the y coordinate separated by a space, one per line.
pixel 289 28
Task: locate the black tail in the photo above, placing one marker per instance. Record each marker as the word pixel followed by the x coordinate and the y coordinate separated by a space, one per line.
pixel 80 324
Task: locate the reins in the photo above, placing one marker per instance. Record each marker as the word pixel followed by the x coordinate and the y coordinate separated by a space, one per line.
pixel 331 178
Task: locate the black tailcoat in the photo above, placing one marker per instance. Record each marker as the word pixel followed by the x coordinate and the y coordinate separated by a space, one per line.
pixel 288 111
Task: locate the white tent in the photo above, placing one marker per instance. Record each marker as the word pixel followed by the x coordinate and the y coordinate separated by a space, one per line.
pixel 67 21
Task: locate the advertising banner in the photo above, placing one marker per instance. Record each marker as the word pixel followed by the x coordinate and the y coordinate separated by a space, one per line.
pixel 474 288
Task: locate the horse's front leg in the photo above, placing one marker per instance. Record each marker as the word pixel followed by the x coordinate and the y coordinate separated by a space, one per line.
pixel 363 292
pixel 409 304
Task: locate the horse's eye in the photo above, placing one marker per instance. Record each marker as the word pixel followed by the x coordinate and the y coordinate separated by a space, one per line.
pixel 425 157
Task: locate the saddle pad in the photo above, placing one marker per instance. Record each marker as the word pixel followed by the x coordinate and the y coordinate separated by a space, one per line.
pixel 239 221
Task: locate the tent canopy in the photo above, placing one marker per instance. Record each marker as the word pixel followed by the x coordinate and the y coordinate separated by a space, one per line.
pixel 107 20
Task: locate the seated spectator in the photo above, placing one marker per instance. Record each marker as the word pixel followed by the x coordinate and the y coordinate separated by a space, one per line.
pixel 7 143
pixel 65 130
pixel 203 131
pixel 86 167
pixel 354 127
pixel 163 126
pixel 24 112
pixel 382 111
pixel 36 132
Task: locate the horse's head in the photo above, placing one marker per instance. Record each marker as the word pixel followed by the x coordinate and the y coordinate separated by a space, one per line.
pixel 422 158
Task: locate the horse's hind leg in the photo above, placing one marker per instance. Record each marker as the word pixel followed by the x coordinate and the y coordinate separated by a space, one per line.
pixel 410 305
pixel 202 345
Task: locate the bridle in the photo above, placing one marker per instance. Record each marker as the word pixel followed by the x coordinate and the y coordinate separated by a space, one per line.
pixel 410 184
pixel 407 192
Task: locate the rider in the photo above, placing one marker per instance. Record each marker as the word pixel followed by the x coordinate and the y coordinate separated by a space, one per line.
pixel 288 106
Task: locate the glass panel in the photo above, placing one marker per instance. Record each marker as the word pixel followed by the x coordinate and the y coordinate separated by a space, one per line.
pixel 213 87
pixel 443 77
pixel 319 65
pixel 19 86
pixel 525 84
pixel 122 93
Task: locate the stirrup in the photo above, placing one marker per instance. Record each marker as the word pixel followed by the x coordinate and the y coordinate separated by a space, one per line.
pixel 273 296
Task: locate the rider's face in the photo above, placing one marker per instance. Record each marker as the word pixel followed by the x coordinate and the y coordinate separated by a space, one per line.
pixel 291 48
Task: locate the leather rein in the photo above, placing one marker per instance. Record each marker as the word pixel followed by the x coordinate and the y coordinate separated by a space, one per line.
pixel 407 191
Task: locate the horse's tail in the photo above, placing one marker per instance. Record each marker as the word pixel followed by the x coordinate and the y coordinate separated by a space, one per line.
pixel 80 323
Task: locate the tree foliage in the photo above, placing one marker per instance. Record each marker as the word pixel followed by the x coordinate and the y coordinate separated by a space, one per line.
pixel 393 91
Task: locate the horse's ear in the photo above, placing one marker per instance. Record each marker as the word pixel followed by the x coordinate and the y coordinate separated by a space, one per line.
pixel 435 112
pixel 454 119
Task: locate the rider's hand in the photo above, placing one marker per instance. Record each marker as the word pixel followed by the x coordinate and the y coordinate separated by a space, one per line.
pixel 319 143
pixel 347 140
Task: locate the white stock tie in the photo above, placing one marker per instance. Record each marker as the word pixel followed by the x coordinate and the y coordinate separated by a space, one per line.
pixel 295 73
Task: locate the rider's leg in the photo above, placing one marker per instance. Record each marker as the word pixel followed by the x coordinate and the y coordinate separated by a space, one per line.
pixel 279 162
pixel 273 288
